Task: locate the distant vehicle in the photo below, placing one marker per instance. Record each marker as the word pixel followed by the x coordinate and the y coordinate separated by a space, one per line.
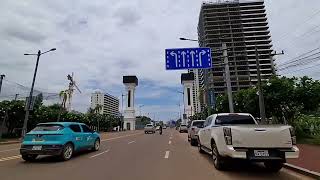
pixel 164 127
pixel 238 135
pixel 195 126
pixel 157 128
pixel 59 139
pixel 183 128
pixel 149 128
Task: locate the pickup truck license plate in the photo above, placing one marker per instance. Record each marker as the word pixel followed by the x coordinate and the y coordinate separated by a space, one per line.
pixel 36 148
pixel 261 153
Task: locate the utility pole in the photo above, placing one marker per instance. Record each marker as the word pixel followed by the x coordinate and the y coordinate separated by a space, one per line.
pixel 271 60
pixel 228 79
pixel 261 98
pixel 1 78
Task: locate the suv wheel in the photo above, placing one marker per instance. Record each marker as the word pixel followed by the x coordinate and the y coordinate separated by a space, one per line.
pixel 67 152
pixel 96 145
pixel 193 142
pixel 200 147
pixel 216 158
pixel 29 157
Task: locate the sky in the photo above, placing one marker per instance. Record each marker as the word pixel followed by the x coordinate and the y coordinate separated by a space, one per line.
pixel 102 40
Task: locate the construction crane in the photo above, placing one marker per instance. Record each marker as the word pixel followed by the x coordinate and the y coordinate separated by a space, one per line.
pixel 70 90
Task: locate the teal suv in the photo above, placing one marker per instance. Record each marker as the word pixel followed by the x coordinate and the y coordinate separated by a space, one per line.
pixel 58 139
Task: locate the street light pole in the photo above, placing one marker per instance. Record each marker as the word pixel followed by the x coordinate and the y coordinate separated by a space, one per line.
pixel 25 122
pixel 140 109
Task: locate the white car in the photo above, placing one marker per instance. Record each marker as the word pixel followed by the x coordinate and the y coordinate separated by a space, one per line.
pixel 183 128
pixel 149 128
pixel 193 130
pixel 238 135
pixel 157 128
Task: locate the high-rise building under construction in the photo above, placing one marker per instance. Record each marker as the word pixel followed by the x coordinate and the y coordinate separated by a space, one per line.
pixel 243 26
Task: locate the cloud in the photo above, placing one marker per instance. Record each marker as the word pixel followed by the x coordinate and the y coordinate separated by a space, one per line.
pixel 127 16
pixel 100 41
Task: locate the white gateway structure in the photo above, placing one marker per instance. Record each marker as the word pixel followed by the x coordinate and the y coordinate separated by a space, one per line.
pixel 129 116
pixel 187 80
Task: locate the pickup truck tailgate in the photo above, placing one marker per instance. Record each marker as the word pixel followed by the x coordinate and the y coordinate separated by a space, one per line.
pixel 261 136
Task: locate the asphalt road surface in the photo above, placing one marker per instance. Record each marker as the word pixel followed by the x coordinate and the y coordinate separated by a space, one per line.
pixel 132 156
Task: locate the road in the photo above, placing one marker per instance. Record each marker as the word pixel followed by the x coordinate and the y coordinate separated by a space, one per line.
pixel 132 156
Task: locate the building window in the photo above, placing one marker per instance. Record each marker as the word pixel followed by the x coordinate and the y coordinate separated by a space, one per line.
pixel 188 94
pixel 129 98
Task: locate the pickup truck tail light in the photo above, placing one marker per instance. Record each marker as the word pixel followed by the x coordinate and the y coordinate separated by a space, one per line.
pixel 293 136
pixel 227 135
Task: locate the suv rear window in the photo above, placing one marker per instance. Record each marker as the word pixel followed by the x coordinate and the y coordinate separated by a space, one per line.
pixel 149 125
pixel 183 125
pixel 198 124
pixel 234 119
pixel 48 127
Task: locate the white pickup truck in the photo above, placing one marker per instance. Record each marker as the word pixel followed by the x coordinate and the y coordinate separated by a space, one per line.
pixel 238 135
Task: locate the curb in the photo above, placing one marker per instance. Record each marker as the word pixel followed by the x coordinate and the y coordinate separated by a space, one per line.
pixel 303 171
pixel 9 142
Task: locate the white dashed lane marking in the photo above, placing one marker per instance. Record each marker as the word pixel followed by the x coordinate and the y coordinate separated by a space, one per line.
pixel 169 142
pixel 99 154
pixel 131 142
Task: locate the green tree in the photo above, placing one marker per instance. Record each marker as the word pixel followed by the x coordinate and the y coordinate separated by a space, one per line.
pixel 307 94
pixel 14 112
pixel 280 100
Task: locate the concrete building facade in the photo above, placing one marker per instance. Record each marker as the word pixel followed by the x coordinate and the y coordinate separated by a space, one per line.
pixel 109 103
pixel 243 26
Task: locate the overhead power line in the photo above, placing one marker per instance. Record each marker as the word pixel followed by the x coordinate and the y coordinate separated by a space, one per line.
pixel 295 59
pixel 309 61
pixel 306 60
pixel 285 35
pixel 297 70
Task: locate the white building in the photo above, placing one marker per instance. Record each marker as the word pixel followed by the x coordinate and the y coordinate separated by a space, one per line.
pixel 196 106
pixel 129 122
pixel 109 103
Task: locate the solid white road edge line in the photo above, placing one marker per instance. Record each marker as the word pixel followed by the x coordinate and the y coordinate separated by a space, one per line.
pixel 166 156
pixel 131 142
pixel 99 154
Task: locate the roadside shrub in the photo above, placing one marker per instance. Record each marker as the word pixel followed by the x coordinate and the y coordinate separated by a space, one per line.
pixel 307 126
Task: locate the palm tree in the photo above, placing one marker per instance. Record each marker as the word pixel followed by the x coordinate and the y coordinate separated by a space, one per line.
pixel 64 97
pixel 98 108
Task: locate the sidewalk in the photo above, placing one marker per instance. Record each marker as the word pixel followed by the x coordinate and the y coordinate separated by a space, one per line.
pixel 309 157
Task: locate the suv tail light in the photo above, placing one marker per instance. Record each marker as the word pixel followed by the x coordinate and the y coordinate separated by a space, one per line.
pixel 293 136
pixel 193 129
pixel 227 135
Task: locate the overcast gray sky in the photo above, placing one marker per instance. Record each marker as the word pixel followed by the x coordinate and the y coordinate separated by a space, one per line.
pixel 102 40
